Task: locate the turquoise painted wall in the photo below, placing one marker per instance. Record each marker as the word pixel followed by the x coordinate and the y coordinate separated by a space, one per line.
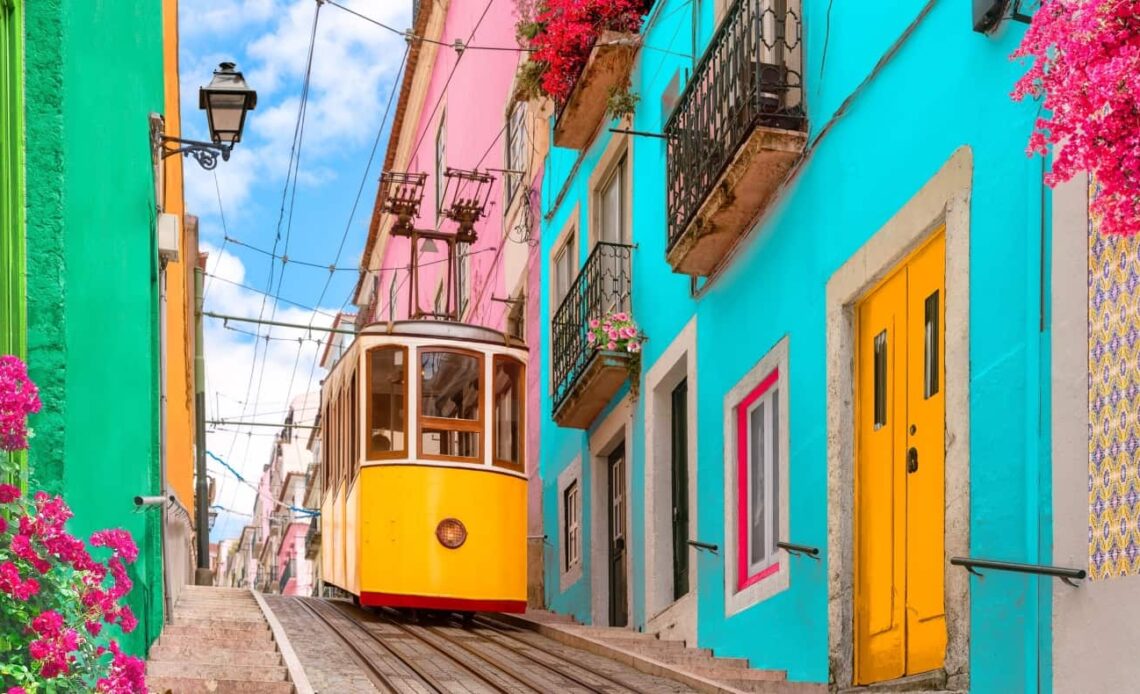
pixel 946 87
pixel 94 74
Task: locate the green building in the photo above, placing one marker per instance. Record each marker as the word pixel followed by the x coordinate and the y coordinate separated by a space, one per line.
pixel 79 269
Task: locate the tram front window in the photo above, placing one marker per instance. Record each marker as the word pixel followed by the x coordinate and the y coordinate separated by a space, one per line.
pixel 450 405
pixel 386 416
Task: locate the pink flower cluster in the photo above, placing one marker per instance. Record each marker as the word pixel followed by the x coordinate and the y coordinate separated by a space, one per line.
pixel 615 332
pixel 1086 65
pixel 19 397
pixel 567 32
pixel 40 545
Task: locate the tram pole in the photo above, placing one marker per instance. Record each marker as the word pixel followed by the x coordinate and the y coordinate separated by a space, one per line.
pixel 202 576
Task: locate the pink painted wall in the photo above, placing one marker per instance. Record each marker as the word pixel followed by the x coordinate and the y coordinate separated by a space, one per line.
pixel 293 547
pixel 473 110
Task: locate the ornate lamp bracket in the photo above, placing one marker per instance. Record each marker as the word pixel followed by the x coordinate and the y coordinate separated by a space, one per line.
pixel 206 153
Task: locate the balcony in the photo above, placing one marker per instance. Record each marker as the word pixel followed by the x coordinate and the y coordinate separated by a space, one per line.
pixel 285 576
pixel 734 135
pixel 609 65
pixel 586 378
pixel 313 539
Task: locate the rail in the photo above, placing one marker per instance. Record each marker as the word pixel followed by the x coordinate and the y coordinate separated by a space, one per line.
pixel 746 78
pixel 1066 575
pixel 604 284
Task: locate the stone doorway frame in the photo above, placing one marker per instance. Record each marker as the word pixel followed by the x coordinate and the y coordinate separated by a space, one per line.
pixel 944 200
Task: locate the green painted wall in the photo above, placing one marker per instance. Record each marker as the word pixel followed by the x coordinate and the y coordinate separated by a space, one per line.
pixel 93 75
pixel 11 181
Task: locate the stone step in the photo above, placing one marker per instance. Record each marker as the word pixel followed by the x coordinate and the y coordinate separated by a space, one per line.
pixel 706 662
pixel 609 633
pixel 258 633
pixel 219 622
pixel 649 646
pixel 775 686
pixel 221 656
pixel 217 671
pixel 186 685
pixel 218 590
pixel 217 643
pixel 243 605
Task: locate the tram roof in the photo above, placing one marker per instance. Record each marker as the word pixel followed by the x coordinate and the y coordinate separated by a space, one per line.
pixel 441 329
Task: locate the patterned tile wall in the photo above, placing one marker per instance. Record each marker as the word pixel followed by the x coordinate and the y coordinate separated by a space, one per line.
pixel 1114 404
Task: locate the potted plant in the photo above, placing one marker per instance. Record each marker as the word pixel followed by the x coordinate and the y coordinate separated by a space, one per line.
pixel 581 56
pixel 617 332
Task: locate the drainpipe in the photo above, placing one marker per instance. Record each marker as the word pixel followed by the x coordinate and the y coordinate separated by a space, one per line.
pixel 202 576
pixel 162 437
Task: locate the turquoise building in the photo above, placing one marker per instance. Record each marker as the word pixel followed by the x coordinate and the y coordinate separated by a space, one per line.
pixel 823 220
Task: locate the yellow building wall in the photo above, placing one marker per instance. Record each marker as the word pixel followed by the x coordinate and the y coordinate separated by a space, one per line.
pixel 179 284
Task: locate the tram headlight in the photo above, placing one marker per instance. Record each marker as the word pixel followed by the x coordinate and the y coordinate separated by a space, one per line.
pixel 451 533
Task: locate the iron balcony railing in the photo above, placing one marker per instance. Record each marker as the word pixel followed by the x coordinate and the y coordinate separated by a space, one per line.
pixel 749 76
pixel 602 286
pixel 285 576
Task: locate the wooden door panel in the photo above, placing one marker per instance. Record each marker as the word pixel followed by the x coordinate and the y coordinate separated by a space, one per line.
pixel 926 412
pixel 880 485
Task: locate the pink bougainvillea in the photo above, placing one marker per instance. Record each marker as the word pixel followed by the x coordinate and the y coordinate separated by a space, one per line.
pixel 55 596
pixel 562 33
pixel 19 397
pixel 615 332
pixel 1086 65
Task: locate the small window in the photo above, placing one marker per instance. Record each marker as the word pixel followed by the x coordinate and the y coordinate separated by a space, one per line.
pixel 387 378
pixel 880 380
pixel 611 202
pixel 440 164
pixel 451 411
pixel 516 319
pixel 462 275
pixel 565 267
pixel 930 363
pixel 756 464
pixel 509 382
pixel 758 451
pixel 353 426
pixel 516 150
pixel 572 534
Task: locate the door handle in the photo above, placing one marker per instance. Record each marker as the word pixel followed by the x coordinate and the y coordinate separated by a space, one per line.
pixel 912 460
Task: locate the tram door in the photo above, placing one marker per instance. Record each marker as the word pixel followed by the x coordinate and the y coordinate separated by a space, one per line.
pixel 617 531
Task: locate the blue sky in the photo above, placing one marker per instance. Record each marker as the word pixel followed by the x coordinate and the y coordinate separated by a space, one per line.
pixel 354 66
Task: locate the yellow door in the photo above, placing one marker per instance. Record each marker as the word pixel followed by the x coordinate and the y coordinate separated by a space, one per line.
pixel 900 623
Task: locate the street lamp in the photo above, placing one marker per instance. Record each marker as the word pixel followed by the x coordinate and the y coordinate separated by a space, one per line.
pixel 226 101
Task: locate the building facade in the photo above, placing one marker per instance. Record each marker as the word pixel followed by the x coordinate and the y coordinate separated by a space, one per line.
pixel 834 248
pixel 87 291
pixel 456 111
pixel 279 522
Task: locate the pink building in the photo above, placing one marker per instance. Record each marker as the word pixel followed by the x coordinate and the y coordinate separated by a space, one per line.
pixel 441 123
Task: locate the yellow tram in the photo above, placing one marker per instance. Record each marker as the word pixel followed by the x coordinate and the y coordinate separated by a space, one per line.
pixel 422 470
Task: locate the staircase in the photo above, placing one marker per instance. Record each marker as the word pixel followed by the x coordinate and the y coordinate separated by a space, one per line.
pixel 218 641
pixel 695 667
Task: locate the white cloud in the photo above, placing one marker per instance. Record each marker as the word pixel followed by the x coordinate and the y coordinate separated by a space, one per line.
pixel 354 65
pixel 289 370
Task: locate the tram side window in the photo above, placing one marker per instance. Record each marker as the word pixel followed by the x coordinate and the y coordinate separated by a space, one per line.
pixel 508 419
pixel 388 387
pixel 353 428
pixel 451 417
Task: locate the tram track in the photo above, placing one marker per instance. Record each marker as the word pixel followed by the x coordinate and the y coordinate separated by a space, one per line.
pixel 378 678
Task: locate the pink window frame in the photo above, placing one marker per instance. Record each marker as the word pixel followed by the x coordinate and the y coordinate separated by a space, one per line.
pixel 743 579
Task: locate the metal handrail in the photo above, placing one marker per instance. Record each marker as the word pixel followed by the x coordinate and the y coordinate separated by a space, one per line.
pixel 799 550
pixel 603 284
pixel 1065 574
pixel 707 546
pixel 746 78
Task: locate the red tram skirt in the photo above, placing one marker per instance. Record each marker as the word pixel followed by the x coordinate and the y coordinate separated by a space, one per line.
pixel 429 602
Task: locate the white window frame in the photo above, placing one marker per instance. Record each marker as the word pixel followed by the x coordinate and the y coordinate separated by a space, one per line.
pixel 570 572
pixel 567 248
pixel 440 165
pixel 516 150
pixel 737 598
pixel 617 175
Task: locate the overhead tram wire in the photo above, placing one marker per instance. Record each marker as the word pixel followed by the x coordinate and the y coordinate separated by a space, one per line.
pixel 293 154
